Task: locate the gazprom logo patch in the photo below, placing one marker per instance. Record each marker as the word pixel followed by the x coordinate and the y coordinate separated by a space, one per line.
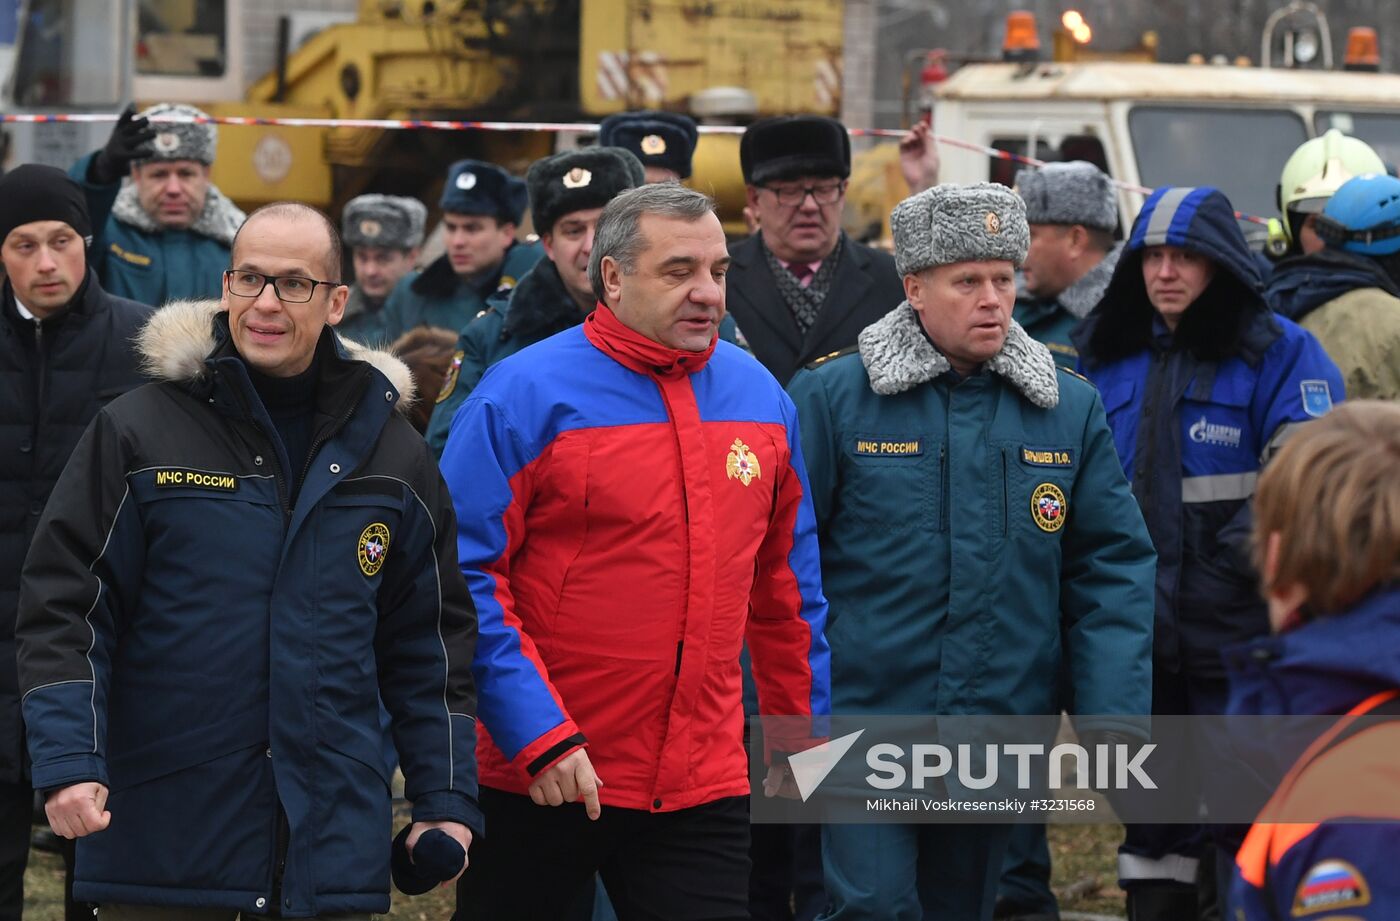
pixel 1206 432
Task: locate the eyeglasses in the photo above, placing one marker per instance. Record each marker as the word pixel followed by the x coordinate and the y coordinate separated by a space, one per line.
pixel 291 289
pixel 828 193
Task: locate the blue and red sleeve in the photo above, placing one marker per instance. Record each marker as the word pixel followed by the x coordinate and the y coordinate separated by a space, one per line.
pixel 491 469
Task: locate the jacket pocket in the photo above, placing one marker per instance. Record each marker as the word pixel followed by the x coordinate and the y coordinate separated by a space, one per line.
pixel 897 481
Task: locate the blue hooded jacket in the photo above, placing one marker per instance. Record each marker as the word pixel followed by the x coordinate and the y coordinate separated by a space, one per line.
pixel 1196 413
pixel 1316 669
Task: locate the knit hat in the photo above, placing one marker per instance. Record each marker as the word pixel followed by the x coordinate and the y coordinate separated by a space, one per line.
pixel 474 187
pixel 390 221
pixel 32 193
pixel 790 146
pixel 180 140
pixel 1076 192
pixel 977 222
pixel 663 139
pixel 579 179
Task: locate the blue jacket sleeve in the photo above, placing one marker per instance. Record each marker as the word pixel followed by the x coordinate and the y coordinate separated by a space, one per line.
pixel 1297 382
pixel 471 365
pixel 490 469
pixel 1106 588
pixel 423 647
pixel 82 574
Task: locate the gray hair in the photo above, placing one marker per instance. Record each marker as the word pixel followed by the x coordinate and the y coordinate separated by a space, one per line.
pixel 619 233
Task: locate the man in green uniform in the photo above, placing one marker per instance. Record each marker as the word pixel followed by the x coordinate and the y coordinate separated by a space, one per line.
pixel 482 204
pixel 567 194
pixel 383 233
pixel 978 536
pixel 1072 211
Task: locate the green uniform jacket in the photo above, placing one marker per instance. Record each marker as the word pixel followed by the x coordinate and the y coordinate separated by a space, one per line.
pixel 973 533
pixel 1051 320
pixel 364 319
pixel 135 258
pixel 1361 332
pixel 438 297
pixel 534 310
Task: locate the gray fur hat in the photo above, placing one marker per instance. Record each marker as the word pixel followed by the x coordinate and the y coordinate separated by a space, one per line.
pixel 977 222
pixel 390 221
pixel 180 140
pixel 1077 192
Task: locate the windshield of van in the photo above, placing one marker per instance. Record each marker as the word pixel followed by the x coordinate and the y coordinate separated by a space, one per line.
pixel 1380 130
pixel 1239 151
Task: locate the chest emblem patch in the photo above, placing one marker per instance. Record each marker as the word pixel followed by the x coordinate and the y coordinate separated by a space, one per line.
pixel 449 380
pixel 1330 885
pixel 742 464
pixel 1048 507
pixel 374 547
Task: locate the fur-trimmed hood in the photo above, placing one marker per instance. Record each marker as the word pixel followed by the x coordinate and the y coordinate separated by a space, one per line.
pixel 178 337
pixel 219 220
pixel 898 356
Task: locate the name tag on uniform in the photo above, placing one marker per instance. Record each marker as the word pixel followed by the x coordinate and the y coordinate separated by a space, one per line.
pixel 873 448
pixel 1038 457
pixel 197 479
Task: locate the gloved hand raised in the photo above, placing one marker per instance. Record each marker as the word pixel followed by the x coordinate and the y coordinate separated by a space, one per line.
pixel 130 140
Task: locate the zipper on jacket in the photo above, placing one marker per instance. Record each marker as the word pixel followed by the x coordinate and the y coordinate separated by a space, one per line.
pixel 1005 494
pixel 41 384
pixel 325 435
pixel 278 476
pixel 279 857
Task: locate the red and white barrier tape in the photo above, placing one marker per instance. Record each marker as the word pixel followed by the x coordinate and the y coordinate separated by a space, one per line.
pixel 403 124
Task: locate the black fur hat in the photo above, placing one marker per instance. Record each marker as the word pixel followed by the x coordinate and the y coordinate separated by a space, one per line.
pixel 789 146
pixel 664 139
pixel 579 179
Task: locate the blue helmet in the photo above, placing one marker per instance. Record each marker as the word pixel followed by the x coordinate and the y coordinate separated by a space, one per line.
pixel 1363 216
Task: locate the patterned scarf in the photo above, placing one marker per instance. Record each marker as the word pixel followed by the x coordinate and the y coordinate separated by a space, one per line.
pixel 806 303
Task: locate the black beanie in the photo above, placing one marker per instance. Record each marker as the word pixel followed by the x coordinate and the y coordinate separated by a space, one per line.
pixel 32 193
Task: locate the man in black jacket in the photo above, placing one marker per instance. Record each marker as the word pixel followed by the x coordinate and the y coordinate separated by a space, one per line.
pixel 65 350
pixel 241 566
pixel 800 288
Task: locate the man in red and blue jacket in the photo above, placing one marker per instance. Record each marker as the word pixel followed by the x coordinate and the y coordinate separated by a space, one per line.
pixel 632 507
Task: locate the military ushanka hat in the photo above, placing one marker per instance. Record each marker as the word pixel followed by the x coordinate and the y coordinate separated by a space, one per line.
pixel 1077 192
pixel 977 222
pixel 662 139
pixel 390 221
pixel 476 187
pixel 183 140
pixel 790 146
pixel 576 180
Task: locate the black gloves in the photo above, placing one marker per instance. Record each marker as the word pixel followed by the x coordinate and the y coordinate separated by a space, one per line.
pixel 436 858
pixel 130 141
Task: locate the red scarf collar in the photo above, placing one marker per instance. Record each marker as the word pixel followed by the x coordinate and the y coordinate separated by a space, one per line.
pixel 631 349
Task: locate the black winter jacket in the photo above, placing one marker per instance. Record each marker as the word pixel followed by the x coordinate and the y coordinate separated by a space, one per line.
pixel 866 287
pixel 55 374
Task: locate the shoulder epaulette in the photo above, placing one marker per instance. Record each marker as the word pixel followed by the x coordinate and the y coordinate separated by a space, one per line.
pixel 482 313
pixel 830 355
pixel 1073 373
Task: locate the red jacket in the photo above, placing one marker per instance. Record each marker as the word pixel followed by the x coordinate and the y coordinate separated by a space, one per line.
pixel 628 516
